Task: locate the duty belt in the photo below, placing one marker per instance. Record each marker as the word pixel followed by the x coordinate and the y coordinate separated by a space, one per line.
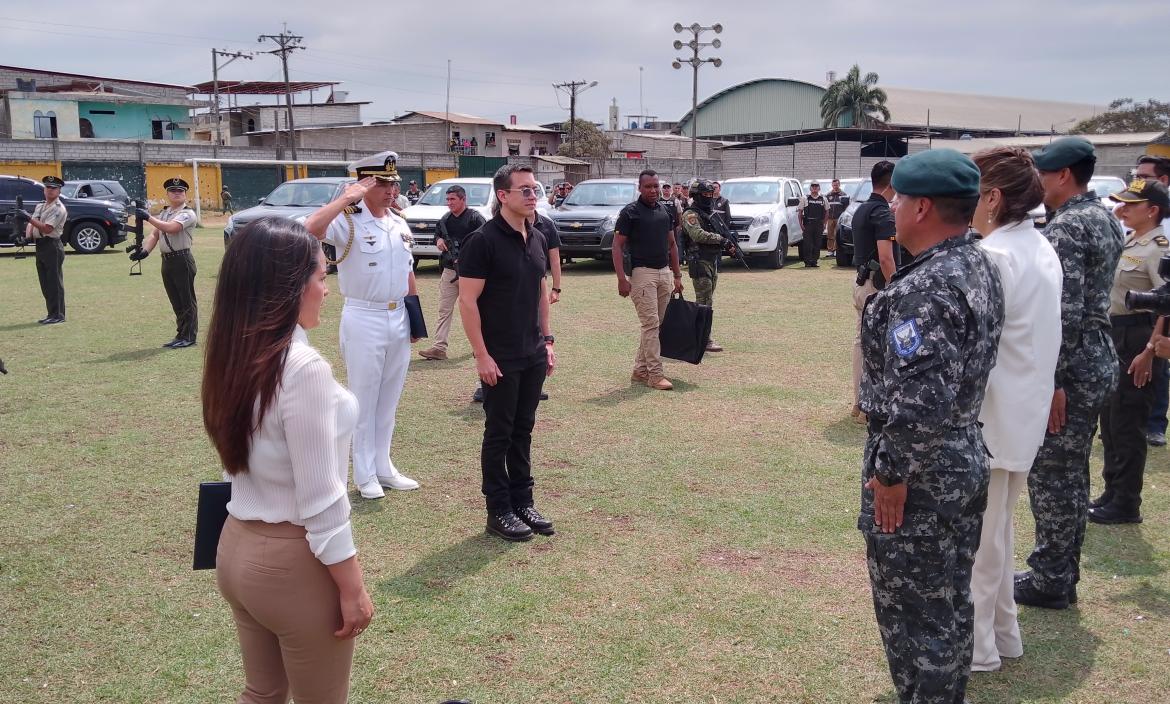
pixel 373 305
pixel 177 252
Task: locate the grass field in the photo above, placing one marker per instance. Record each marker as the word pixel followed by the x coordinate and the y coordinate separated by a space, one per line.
pixel 706 548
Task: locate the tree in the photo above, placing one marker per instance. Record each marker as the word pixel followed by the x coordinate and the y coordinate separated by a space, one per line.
pixel 1127 116
pixel 857 97
pixel 584 141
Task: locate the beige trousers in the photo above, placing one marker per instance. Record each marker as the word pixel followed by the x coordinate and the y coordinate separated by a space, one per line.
pixel 860 294
pixel 831 234
pixel 997 632
pixel 285 605
pixel 448 294
pixel 650 290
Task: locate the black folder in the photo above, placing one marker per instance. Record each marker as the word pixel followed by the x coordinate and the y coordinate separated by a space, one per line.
pixel 210 516
pixel 418 326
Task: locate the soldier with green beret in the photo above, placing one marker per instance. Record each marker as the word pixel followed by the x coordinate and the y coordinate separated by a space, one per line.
pixel 929 341
pixel 1088 240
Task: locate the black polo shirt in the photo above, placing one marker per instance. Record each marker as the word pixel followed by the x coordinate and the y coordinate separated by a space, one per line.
pixel 648 229
pixel 509 306
pixel 456 228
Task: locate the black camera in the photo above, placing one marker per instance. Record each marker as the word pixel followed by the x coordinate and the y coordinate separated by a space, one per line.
pixel 1156 301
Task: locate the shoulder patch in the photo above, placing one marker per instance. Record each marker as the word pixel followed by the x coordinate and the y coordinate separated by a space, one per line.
pixel 906 338
pixel 691 217
pixel 1161 241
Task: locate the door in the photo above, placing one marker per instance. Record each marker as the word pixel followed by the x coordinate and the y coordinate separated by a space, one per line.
pixel 128 173
pixel 248 184
pixel 480 166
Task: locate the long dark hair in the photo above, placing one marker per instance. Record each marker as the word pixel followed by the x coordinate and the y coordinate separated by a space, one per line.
pixel 257 303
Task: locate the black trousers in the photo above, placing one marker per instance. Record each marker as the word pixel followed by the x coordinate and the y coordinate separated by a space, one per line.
pixel 810 243
pixel 505 457
pixel 1125 415
pixel 50 255
pixel 178 275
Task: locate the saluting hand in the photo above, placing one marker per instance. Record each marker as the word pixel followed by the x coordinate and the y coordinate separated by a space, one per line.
pixel 354 192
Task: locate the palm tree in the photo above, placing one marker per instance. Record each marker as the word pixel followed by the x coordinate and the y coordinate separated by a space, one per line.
pixel 856 97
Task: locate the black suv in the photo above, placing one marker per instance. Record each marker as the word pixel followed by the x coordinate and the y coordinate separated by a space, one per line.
pixel 92 226
pixel 98 190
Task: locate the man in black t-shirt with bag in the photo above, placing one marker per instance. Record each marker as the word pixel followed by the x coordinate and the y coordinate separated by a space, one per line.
pixel 646 227
pixel 453 228
pixel 504 304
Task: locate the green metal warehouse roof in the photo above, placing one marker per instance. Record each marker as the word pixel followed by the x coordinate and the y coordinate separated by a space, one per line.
pixel 763 106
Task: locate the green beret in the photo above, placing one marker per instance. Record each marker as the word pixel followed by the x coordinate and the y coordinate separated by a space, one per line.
pixel 937 172
pixel 1062 153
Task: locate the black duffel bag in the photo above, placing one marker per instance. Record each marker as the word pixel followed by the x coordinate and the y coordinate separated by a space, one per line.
pixel 685 330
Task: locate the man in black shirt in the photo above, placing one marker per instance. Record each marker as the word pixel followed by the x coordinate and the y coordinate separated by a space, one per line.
pixel 504 305
pixel 646 226
pixel 874 254
pixel 452 230
pixel 412 193
pixel 722 205
pixel 812 224
pixel 838 201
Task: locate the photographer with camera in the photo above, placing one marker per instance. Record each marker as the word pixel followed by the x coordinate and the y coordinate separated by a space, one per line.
pixel 1123 419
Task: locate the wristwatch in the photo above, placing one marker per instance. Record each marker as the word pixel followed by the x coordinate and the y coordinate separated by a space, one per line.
pixel 550 339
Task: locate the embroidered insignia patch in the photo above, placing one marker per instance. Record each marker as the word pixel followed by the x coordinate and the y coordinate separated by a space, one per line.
pixel 906 338
pixel 691 218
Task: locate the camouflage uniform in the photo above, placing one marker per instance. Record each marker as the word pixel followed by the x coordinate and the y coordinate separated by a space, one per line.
pixel 703 252
pixel 929 341
pixel 1088 240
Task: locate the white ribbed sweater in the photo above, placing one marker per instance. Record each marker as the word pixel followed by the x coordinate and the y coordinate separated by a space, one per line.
pixel 298 464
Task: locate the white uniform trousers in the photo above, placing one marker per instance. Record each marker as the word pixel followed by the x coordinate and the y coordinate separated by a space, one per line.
pixel 997 630
pixel 376 348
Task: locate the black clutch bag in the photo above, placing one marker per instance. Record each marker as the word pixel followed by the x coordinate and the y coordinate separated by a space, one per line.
pixel 210 516
pixel 418 326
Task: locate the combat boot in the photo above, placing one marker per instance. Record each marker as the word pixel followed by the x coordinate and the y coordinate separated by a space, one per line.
pixel 433 353
pixel 659 383
pixel 1111 514
pixel 1028 594
pixel 713 346
pixel 508 526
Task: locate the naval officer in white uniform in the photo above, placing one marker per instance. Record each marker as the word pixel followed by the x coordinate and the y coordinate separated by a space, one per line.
pixel 374 273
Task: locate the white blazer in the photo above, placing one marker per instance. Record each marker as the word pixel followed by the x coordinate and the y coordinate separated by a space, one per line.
pixel 1019 389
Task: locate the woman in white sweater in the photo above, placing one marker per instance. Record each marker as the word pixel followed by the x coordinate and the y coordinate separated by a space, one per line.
pixel 281 424
pixel 1015 410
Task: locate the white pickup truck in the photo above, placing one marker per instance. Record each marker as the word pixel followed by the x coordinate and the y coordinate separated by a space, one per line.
pixel 423 217
pixel 765 215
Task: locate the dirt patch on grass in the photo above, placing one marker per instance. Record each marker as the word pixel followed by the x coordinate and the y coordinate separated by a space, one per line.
pixel 793 567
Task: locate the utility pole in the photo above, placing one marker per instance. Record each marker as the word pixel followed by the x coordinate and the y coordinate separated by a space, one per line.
pixel 448 114
pixel 215 66
pixel 286 43
pixel 695 62
pixel 573 88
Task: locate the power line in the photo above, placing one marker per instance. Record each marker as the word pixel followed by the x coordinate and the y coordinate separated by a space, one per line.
pixel 573 88
pixel 286 44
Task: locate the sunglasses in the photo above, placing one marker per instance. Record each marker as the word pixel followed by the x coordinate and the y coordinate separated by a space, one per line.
pixel 525 191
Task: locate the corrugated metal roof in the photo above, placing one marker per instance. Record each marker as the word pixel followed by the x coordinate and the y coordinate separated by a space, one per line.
pixel 561 160
pixel 970 146
pixel 759 106
pixel 456 117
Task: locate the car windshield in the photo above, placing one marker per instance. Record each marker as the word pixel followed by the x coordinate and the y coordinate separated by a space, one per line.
pixel 750 192
pixel 69 190
pixel 863 192
pixel 1105 187
pixel 602 194
pixel 477 194
pixel 308 195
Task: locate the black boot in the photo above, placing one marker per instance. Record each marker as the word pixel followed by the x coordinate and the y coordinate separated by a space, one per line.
pixel 535 521
pixel 508 526
pixel 1114 514
pixel 1105 498
pixel 1027 594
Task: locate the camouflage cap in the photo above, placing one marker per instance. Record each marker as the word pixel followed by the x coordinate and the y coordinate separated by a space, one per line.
pixel 937 172
pixel 1062 153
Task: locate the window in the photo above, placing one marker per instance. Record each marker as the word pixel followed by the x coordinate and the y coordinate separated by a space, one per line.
pixel 45 125
pixel 85 128
pixel 251 125
pixel 30 191
pixel 156 129
pixel 489 139
pixel 100 191
pixel 513 147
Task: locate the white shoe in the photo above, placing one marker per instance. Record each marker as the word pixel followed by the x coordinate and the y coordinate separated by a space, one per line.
pixel 371 490
pixel 398 482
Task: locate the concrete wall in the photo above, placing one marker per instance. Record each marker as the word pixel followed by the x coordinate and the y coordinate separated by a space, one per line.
pixel 130 120
pixel 8 78
pixel 269 117
pixel 812 160
pixel 367 139
pixel 22 111
pixel 658 147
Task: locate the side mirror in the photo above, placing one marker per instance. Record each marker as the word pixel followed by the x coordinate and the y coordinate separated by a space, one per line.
pixel 792 202
pixel 260 201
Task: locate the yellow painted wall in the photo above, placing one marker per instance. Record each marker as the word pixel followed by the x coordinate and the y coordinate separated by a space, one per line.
pixel 434 175
pixel 294 171
pixel 210 183
pixel 1158 150
pixel 36 170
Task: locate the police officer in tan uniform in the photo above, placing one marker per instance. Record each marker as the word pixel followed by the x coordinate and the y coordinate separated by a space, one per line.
pixel 44 228
pixel 174 234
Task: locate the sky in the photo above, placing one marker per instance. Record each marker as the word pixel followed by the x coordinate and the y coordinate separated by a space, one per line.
pixel 506 55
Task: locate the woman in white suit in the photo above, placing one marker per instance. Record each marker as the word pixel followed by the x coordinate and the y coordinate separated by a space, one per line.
pixel 1015 411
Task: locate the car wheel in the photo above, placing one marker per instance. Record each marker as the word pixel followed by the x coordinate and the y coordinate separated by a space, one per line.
pixel 88 237
pixel 776 257
pixel 414 266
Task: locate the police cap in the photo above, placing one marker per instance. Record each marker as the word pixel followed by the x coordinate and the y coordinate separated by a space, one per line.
pixel 1062 153
pixel 382 166
pixel 1141 191
pixel 176 184
pixel 938 172
pixel 52 182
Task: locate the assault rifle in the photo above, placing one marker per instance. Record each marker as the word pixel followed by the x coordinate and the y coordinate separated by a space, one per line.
pixel 733 248
pixel 19 225
pixel 139 230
